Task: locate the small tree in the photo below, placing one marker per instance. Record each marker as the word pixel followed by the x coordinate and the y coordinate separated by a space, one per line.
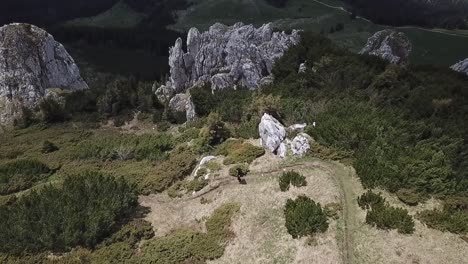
pixel 370 200
pixel 304 217
pixel 239 170
pixel 291 178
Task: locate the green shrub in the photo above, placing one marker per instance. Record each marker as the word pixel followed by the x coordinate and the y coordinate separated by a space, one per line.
pixel 52 111
pixel 152 147
pixel 168 172
pixel 239 170
pixel 230 104
pixel 409 197
pixel 215 131
pixel 445 220
pixel 388 217
pixel 48 147
pixel 187 246
pixel 174 117
pixel 453 217
pixel 291 178
pixel 304 217
pixel 131 233
pixel 370 200
pixel 236 151
pixel 20 175
pixel 189 134
pixel 184 187
pixel 82 212
pixel 163 126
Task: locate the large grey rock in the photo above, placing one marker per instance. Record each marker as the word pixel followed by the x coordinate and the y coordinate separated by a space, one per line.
pixel 461 66
pixel 389 45
pixel 226 57
pixel 272 133
pixel 300 144
pixel 31 62
pixel 183 103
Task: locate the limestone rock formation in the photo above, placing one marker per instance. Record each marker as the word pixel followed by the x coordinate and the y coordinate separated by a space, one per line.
pixel 273 137
pixel 183 103
pixel 226 57
pixel 300 144
pixel 389 45
pixel 31 62
pixel 461 66
pixel 272 133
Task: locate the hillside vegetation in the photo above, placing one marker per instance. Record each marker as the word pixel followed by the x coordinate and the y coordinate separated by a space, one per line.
pixel 403 129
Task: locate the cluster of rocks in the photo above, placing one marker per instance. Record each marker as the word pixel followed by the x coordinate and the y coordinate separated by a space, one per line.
pixel 389 45
pixel 225 57
pixel 31 62
pixel 273 137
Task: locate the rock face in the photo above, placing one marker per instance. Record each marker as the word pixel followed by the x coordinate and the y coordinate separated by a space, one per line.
pixel 272 133
pixel 389 45
pixel 273 137
pixel 226 57
pixel 300 144
pixel 31 62
pixel 183 103
pixel 461 66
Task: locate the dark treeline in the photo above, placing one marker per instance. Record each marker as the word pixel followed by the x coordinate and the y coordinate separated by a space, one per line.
pixel 156 41
pixel 445 14
pixel 47 12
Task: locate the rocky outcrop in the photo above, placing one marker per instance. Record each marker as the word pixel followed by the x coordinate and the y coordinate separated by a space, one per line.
pixel 273 137
pixel 389 45
pixel 272 133
pixel 300 144
pixel 183 103
pixel 225 57
pixel 31 62
pixel 302 67
pixel 461 66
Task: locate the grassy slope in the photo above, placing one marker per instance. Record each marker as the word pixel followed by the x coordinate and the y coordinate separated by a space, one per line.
pixel 119 16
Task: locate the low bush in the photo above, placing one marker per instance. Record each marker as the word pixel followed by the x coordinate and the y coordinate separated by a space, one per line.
pixel 445 220
pixel 183 187
pixel 187 246
pixel 304 217
pixel 291 178
pixel 384 216
pixel 131 233
pixel 176 168
pixel 370 200
pixel 409 197
pixel 114 147
pixel 20 175
pixel 453 217
pixel 48 147
pixel 81 212
pixel 237 151
pixel 215 131
pixel 239 170
pixel 189 134
pixel 52 111
pixel 388 217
